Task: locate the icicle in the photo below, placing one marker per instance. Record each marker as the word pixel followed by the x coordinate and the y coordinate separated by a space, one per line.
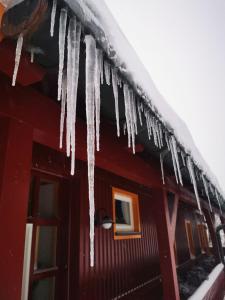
pixel 101 65
pixel 32 55
pixel 206 190
pixel 160 135
pixel 193 180
pixel 62 38
pixel 127 112
pixel 174 150
pixel 63 107
pixel 139 112
pixel 90 117
pixel 73 54
pixel 173 160
pixel 132 118
pixel 167 141
pixel 217 198
pixel 162 168
pixel 119 81
pixel 134 112
pixel 53 13
pixel 97 96
pixel 19 47
pixel 152 122
pixel 115 92
pixel 124 128
pixel 183 158
pixel 107 72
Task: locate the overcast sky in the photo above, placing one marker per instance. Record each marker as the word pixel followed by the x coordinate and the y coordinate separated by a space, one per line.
pixel 182 45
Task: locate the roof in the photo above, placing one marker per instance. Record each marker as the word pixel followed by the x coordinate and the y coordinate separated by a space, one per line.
pixel 95 15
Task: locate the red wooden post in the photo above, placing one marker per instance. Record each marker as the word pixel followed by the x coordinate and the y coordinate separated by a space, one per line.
pixel 165 243
pixel 15 163
pixel 212 231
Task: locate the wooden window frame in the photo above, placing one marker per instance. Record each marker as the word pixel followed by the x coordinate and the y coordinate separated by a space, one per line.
pixel 190 239
pixel 125 234
pixel 203 238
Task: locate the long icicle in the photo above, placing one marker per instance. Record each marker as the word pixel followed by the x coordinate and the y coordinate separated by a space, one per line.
pixel 90 117
pixel 53 13
pixel 63 108
pixel 74 86
pixel 193 180
pixel 162 168
pixel 98 96
pixel 116 99
pixel 175 153
pixel 62 38
pixel 19 47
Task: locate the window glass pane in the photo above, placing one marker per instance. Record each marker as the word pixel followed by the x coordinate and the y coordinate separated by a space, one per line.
pixel 123 212
pixel 31 197
pixel 45 250
pixel 48 199
pixel 43 289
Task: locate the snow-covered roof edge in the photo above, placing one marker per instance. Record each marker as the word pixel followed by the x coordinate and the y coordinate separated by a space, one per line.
pixel 96 16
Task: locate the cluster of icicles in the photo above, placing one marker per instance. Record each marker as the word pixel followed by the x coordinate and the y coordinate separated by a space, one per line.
pixel 98 69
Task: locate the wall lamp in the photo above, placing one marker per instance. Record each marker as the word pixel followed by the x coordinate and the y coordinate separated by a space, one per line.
pixel 102 219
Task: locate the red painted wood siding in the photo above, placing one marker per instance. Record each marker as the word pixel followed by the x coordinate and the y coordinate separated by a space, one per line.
pixel 120 265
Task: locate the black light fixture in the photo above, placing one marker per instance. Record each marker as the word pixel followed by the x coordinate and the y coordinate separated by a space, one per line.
pixel 102 219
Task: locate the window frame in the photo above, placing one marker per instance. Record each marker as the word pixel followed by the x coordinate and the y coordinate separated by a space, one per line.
pixel 203 238
pixel 123 231
pixel 190 239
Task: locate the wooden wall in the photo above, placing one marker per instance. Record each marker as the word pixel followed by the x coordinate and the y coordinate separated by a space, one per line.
pixel 120 265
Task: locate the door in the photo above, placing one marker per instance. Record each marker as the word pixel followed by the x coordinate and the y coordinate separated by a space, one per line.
pixel 48 214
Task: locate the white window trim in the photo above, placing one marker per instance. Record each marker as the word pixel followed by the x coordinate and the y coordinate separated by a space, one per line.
pixel 125 227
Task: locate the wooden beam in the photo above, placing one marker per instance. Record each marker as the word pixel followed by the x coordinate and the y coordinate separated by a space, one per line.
pixel 15 164
pixel 166 245
pixel 2 10
pixel 174 216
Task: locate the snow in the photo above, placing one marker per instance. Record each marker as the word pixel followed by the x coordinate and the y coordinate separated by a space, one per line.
pixel 201 292
pixel 19 47
pixel 90 116
pixel 95 15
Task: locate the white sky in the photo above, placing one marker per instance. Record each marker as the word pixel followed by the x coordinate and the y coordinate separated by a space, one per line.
pixel 182 45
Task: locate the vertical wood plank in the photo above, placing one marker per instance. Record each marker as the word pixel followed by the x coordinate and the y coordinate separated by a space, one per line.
pixel 15 163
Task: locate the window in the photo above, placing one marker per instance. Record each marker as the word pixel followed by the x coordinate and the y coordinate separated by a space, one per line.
pixel 203 238
pixel 190 239
pixel 126 214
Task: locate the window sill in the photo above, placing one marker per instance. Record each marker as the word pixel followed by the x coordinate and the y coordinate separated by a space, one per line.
pixel 127 235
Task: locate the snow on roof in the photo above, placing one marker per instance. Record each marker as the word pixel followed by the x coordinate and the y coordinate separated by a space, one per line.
pixel 96 16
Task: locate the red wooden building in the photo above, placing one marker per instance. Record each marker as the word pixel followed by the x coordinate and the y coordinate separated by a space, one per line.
pixel 155 212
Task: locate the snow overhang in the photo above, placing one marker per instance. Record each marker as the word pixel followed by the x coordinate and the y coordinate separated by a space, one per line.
pixel 96 18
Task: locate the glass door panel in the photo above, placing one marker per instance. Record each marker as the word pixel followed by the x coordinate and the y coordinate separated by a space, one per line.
pixel 45 247
pixel 43 289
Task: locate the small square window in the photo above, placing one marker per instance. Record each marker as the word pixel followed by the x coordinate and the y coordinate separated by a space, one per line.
pixel 126 214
